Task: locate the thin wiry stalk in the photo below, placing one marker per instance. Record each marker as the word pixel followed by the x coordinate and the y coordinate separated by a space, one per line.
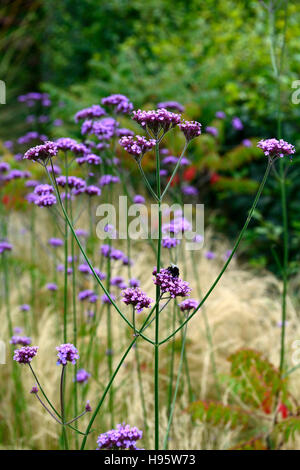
pixel 98 407
pixel 176 388
pixel 156 347
pixel 62 407
pixel 87 259
pixel 260 189
pixel 75 391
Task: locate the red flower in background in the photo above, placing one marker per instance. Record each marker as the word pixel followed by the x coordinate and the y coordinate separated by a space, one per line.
pixel 5 200
pixel 175 180
pixel 283 410
pixel 214 178
pixel 190 173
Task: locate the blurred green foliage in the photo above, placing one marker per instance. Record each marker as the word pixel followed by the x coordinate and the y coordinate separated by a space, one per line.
pixel 209 55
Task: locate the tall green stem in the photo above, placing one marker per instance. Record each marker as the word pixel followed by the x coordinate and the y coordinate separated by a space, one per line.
pixel 277 68
pixel 171 369
pixel 62 407
pixel 33 266
pixel 66 256
pixel 166 439
pixel 111 382
pixel 86 257
pixel 156 347
pixel 74 323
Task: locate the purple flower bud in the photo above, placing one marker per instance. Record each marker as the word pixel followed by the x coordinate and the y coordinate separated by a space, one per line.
pixel 25 354
pixel 67 353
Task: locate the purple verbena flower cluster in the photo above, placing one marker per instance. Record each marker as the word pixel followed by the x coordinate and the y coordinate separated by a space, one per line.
pixel 124 437
pixel 137 145
pixel 175 286
pixel 156 120
pixel 276 148
pixel 42 152
pixel 25 354
pixel 172 105
pixel 191 129
pixel 94 111
pixel 5 246
pixel 43 195
pixel 120 103
pixel 137 298
pixel 55 242
pixel 82 376
pixel 169 242
pixel 67 353
pixel 188 304
pixel 22 340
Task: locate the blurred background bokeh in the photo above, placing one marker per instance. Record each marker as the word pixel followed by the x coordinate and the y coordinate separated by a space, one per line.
pixel 209 55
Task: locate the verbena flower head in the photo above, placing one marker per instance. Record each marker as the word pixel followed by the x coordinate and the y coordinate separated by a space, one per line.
pixel 24 308
pixel 134 282
pixel 4 167
pixel 171 160
pixel 55 242
pixel 247 143
pixel 67 353
pixel 22 340
pixel 124 132
pixel 67 144
pixel 210 255
pixel 74 182
pixel 92 190
pixel 188 304
pixel 167 282
pixel 82 376
pixel 172 105
pixel 94 111
pixel 212 130
pixel 177 225
pixel 191 129
pixel 120 103
pixel 137 298
pixel 220 115
pixel 169 242
pixel 138 199
pixel 117 281
pixel 189 190
pixel 157 120
pixel 88 407
pixel 34 390
pixel 108 179
pixel 51 286
pixel 104 129
pixel 42 189
pixel 105 299
pixel 31 183
pixel 5 246
pixel 124 437
pixel 85 294
pixel 91 159
pixel 42 152
pixel 25 354
pixel 80 232
pixel 45 200
pixel 276 148
pixel 137 145
pixel 237 124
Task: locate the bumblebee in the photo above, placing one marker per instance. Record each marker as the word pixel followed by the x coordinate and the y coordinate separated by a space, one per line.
pixel 174 270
